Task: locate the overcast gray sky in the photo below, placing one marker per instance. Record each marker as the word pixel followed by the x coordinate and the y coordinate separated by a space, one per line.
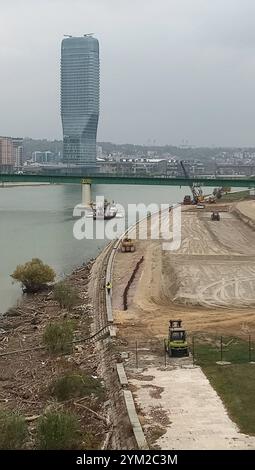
pixel 171 70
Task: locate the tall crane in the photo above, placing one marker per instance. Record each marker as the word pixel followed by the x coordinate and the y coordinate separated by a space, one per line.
pixel 196 192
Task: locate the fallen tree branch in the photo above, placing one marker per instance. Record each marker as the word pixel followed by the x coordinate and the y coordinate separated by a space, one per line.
pixel 28 419
pixel 107 439
pixel 18 351
pixel 102 418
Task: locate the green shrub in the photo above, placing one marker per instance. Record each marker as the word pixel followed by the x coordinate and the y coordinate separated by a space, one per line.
pixel 33 275
pixel 58 336
pixel 66 295
pixel 75 385
pixel 13 430
pixel 57 430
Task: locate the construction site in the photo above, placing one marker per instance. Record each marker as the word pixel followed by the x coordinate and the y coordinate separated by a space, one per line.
pixel 165 340
pixel 208 283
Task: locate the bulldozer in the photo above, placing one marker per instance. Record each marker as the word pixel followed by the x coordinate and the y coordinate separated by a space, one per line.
pixel 176 344
pixel 215 215
pixel 127 245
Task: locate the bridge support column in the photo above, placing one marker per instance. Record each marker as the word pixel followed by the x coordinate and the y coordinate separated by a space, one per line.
pixel 86 193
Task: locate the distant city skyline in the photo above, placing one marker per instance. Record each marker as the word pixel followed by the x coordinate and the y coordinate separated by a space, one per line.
pixel 171 70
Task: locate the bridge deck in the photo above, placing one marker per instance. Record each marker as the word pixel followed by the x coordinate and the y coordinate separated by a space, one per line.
pixel 137 180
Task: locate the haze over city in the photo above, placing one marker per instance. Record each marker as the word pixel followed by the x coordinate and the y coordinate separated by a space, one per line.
pixel 171 71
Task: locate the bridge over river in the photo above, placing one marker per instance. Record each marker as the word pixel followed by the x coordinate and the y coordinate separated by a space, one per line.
pixel 240 182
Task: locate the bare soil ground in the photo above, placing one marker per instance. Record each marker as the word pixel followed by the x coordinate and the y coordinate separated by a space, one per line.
pixel 247 208
pixel 209 282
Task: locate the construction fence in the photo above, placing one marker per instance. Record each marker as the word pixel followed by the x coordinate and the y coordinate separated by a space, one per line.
pixel 213 349
pixel 203 350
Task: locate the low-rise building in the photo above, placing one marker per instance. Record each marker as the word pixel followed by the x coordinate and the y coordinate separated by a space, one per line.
pixel 11 153
pixel 43 157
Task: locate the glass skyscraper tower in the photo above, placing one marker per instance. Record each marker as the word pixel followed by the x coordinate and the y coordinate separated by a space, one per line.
pixel 79 98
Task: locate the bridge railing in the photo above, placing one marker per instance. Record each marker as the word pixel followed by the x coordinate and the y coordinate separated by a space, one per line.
pixel 107 178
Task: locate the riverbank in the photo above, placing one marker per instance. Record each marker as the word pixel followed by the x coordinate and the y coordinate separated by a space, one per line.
pixel 21 185
pixel 27 377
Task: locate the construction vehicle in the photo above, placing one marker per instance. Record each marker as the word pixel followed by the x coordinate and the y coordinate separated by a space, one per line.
pixel 187 200
pixel 176 344
pixel 127 245
pixel 195 190
pixel 175 323
pixel 215 215
pixel 211 199
pixel 218 192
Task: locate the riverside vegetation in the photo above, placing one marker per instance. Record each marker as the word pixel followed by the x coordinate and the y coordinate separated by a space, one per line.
pixel 51 397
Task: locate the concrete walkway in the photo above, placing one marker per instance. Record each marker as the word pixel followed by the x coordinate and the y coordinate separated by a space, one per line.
pixel 191 413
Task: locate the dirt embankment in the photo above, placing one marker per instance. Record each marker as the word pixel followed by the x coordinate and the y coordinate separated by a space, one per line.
pixel 245 211
pixel 209 281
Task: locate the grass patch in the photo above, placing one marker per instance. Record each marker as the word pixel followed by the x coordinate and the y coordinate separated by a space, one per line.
pixel 13 430
pixel 66 295
pixel 235 196
pixel 58 337
pixel 234 350
pixel 75 385
pixel 58 431
pixel 235 384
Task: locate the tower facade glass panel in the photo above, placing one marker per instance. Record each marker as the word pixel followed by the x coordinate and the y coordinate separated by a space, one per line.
pixel 79 98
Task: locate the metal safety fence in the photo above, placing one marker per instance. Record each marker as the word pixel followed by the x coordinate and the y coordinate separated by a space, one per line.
pixel 212 349
pixel 203 350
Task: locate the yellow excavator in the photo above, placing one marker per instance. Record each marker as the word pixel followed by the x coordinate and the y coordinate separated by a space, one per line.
pixel 197 194
pixel 196 190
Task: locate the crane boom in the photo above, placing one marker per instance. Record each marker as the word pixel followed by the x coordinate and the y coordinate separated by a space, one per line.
pixel 193 191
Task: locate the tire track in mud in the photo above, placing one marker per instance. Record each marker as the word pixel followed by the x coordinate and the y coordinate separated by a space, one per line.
pixel 204 265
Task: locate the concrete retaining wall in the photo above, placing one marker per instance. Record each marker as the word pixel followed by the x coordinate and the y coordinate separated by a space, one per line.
pixel 122 374
pixel 130 405
pixel 134 420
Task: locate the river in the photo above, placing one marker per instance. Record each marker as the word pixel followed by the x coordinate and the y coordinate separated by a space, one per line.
pixel 38 222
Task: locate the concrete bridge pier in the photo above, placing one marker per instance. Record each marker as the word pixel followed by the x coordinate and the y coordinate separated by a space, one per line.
pixel 86 193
